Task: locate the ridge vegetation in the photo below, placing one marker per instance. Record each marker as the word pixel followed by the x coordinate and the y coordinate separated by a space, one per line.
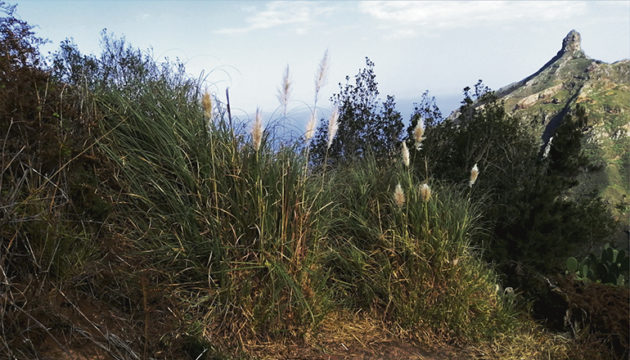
pixel 571 78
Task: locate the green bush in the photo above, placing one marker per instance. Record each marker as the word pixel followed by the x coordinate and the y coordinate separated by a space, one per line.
pixel 410 262
pixel 524 189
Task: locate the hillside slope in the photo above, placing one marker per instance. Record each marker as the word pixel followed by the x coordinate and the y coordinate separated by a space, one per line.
pixel 571 78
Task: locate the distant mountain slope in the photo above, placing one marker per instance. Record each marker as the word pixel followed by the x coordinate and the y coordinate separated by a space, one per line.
pixel 571 78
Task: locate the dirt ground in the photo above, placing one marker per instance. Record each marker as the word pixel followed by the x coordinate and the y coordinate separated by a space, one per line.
pixel 340 336
pixel 353 336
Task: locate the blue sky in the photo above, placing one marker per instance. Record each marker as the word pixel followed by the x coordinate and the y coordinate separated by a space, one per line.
pixel 441 46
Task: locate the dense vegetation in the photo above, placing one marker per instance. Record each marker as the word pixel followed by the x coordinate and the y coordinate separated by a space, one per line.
pixel 138 219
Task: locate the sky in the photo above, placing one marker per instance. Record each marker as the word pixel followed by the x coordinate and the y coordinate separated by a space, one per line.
pixel 440 46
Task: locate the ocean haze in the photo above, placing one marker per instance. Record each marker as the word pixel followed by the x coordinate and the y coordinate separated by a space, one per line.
pixel 294 124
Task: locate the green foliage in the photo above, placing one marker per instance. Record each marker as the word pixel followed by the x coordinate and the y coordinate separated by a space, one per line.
pixel 51 213
pixel 48 204
pixel 273 244
pixel 611 267
pixel 566 159
pixel 524 190
pixel 412 263
pixel 365 126
pixel 127 176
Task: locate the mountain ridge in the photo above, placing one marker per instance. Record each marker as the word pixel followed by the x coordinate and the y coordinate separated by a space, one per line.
pixel 544 98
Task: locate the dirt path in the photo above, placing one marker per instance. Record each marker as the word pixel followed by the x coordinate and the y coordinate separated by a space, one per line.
pixel 389 350
pixel 357 337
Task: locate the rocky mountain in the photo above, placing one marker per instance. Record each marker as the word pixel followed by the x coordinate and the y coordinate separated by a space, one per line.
pixel 571 78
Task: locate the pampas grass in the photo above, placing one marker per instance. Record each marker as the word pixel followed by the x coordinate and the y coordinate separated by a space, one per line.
pixel 399 196
pixel 405 154
pixel 322 75
pixel 310 126
pixel 206 103
pixel 474 172
pixel 257 130
pixel 333 126
pixel 285 91
pixel 418 133
pixel 425 191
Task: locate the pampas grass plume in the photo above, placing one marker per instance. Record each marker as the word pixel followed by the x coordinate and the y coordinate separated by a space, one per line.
pixel 333 126
pixel 310 127
pixel 322 74
pixel 405 154
pixel 285 90
pixel 257 130
pixel 474 172
pixel 425 191
pixel 399 195
pixel 418 133
pixel 206 103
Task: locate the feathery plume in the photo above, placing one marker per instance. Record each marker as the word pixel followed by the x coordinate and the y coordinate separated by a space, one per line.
pixel 257 130
pixel 474 172
pixel 333 126
pixel 405 154
pixel 310 127
pixel 418 132
pixel 322 74
pixel 399 195
pixel 285 90
pixel 425 191
pixel 206 103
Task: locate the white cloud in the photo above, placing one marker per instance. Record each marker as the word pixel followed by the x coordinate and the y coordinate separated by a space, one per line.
pixel 300 14
pixel 406 18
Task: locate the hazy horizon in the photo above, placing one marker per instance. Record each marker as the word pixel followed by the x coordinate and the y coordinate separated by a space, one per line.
pixel 416 46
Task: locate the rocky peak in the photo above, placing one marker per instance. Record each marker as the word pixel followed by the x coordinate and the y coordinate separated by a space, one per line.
pixel 571 43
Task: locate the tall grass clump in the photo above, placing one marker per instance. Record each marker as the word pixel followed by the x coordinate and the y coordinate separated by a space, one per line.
pixel 51 214
pixel 406 255
pixel 217 209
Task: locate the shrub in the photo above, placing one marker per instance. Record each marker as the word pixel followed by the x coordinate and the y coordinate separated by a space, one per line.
pixel 411 261
pixel 525 191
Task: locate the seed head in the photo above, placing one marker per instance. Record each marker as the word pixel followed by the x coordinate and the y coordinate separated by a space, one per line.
pixel 474 172
pixel 310 127
pixel 333 126
pixel 418 132
pixel 322 74
pixel 405 154
pixel 206 103
pixel 399 196
pixel 257 130
pixel 425 191
pixel 285 90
